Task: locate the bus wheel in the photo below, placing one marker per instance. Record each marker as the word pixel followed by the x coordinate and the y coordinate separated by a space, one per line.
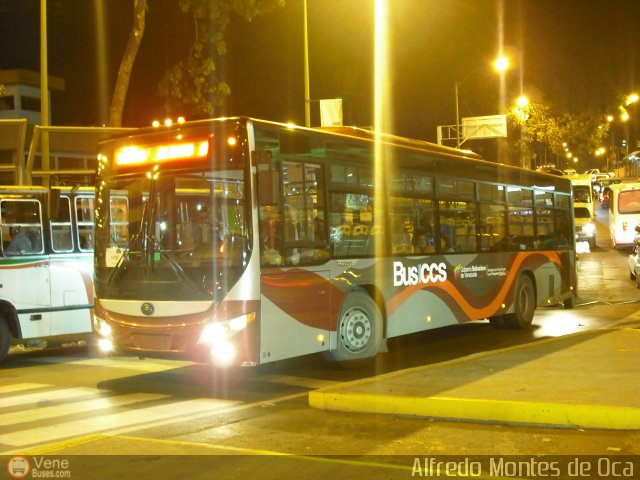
pixel 359 329
pixel 497 321
pixel 5 338
pixel 525 304
pixel 569 303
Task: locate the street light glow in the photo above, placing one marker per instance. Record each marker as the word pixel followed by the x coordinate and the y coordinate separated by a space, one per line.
pixel 632 98
pixel 501 63
pixel 522 101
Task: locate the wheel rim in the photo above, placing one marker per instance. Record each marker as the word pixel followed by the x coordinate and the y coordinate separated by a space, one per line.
pixel 356 329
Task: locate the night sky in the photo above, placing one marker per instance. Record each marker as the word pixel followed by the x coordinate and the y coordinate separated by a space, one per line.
pixel 571 52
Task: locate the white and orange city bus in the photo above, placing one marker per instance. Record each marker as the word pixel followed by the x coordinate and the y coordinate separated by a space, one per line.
pixel 253 241
pixel 46 264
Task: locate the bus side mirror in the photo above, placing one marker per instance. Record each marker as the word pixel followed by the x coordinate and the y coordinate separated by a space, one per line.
pixel 268 181
pixel 268 187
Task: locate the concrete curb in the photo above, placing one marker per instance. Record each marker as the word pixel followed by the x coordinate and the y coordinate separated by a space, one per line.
pixel 356 397
pixel 482 410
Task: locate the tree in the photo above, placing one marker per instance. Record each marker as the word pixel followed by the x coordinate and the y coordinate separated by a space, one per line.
pixel 190 83
pixel 542 133
pixel 126 65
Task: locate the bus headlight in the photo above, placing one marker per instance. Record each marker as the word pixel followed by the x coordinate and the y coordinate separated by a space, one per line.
pixel 104 329
pixel 105 345
pixel 214 333
pixel 218 332
pixel 223 353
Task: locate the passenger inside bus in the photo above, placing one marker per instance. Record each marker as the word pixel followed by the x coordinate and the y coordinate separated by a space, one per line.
pixel 446 245
pixel 422 241
pixel 20 242
pixel 271 235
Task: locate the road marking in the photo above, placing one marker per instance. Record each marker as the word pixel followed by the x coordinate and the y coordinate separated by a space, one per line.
pixel 136 418
pixel 18 387
pixel 128 363
pixel 46 396
pixel 71 408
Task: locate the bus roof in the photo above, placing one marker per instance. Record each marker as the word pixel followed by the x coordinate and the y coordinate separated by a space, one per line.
pixel 484 168
pixel 26 189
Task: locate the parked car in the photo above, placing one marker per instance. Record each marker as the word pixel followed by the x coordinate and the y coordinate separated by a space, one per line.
pixel 634 262
pixel 569 171
pixel 585 227
pixel 597 175
pixel 549 169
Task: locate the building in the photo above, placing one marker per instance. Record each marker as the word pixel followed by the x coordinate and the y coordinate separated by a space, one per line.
pixel 29 153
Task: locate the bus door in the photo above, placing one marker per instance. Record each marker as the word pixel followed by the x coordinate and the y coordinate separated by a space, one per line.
pixel 24 280
pixel 71 268
pixel 295 278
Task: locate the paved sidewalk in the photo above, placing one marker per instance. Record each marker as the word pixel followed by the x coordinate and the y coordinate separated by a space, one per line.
pixel 587 380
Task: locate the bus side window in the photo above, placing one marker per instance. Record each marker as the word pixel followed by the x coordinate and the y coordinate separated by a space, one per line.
pixel 61 236
pixel 23 234
pixel 6 237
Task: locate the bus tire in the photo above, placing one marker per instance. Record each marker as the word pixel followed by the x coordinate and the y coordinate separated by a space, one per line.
pixel 5 338
pixel 497 321
pixel 359 329
pixel 525 304
pixel 569 302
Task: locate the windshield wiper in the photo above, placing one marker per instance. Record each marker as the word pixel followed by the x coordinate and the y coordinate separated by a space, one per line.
pixel 173 263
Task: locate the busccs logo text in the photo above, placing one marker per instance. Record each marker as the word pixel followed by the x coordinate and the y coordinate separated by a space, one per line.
pixel 423 273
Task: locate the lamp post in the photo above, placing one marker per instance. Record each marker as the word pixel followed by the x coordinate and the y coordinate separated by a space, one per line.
pixel 500 64
pixel 307 90
pixel 44 91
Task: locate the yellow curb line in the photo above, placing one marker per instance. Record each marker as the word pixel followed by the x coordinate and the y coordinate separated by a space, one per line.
pixel 61 445
pixel 503 411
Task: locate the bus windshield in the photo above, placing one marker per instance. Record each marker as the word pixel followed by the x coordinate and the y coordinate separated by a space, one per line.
pixel 171 236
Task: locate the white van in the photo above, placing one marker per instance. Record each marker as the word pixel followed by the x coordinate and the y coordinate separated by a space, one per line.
pixel 582 192
pixel 624 213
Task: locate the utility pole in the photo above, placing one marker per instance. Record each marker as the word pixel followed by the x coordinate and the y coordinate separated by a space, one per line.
pixel 307 90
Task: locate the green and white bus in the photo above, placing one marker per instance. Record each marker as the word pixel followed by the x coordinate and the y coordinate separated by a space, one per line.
pixel 46 264
pixel 253 241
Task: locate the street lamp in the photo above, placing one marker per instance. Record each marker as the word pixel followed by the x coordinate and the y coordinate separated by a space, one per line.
pixel 307 90
pixel 500 64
